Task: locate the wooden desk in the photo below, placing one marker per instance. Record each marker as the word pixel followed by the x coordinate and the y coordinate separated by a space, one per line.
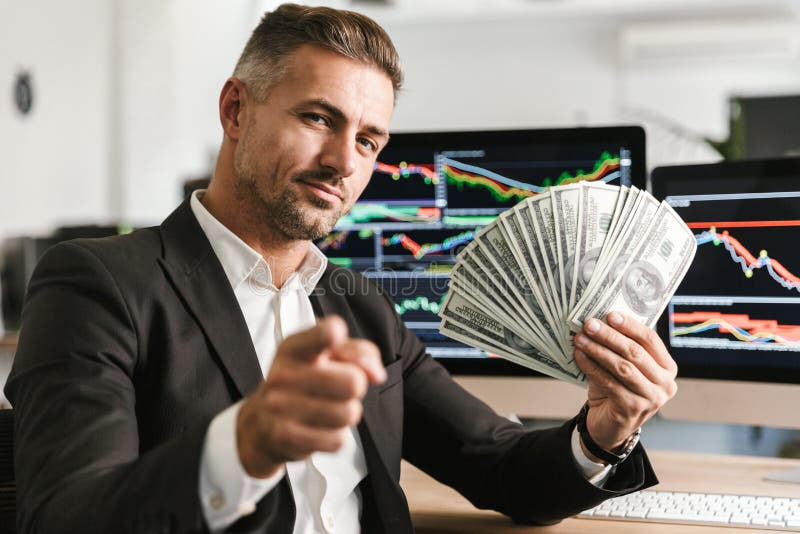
pixel 438 509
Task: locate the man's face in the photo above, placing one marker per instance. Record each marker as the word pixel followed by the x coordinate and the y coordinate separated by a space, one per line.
pixel 305 154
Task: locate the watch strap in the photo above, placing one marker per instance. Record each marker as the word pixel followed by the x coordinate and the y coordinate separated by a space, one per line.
pixel 610 458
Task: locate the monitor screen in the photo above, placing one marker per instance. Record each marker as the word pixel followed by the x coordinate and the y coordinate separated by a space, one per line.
pixel 431 192
pixel 736 315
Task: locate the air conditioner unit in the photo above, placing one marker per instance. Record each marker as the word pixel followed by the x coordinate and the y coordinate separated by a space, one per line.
pixel 683 41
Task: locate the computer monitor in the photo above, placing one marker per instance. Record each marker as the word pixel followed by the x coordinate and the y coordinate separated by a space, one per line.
pixel 733 325
pixel 428 196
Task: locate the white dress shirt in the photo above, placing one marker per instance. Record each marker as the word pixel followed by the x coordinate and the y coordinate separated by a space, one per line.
pixel 325 486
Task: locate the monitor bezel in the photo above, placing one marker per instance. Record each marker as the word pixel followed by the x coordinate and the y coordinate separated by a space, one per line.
pixel 769 169
pixel 630 136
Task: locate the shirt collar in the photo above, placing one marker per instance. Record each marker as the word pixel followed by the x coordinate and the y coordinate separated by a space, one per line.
pixel 239 260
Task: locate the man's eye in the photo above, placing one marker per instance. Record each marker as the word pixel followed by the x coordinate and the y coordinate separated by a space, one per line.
pixel 316 117
pixel 366 143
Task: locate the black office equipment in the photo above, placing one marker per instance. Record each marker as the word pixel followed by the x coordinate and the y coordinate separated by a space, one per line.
pixel 19 258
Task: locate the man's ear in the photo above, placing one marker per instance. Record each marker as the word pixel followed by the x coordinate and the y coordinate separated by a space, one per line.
pixel 232 102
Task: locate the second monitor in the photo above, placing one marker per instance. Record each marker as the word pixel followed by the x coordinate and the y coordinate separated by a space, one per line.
pixel 732 325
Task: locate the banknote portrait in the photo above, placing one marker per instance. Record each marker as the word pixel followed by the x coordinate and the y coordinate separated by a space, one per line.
pixel 642 287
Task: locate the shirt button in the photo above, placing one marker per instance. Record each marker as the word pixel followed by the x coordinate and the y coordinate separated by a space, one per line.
pixel 217 501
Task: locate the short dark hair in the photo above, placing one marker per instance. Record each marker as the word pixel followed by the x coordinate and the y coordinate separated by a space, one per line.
pixel 280 32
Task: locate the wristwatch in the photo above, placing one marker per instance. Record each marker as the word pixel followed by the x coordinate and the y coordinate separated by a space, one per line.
pixel 611 458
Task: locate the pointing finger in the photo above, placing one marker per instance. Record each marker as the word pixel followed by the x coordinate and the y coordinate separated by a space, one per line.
pixel 364 354
pixel 328 333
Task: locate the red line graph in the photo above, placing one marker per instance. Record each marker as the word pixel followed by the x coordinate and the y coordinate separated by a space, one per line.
pixel 742 224
pixel 752 261
pixel 411 168
pixel 739 320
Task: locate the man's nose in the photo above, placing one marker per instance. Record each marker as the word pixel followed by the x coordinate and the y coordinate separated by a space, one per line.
pixel 339 154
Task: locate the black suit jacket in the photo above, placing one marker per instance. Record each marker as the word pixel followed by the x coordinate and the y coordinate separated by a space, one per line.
pixel 131 345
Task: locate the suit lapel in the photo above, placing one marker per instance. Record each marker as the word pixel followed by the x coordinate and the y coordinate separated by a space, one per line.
pixel 197 275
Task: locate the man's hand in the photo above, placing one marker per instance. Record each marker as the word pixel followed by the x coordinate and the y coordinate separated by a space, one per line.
pixel 310 398
pixel 631 376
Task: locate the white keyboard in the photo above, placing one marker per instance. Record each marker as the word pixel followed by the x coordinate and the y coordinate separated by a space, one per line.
pixel 771 513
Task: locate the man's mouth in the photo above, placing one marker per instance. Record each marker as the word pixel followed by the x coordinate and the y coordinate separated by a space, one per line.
pixel 324 191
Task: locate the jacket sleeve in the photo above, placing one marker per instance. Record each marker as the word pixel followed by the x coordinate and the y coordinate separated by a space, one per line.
pixel 77 457
pixel 530 476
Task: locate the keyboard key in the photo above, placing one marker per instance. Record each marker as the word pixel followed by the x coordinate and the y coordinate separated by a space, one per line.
pixel 637 513
pixel 739 520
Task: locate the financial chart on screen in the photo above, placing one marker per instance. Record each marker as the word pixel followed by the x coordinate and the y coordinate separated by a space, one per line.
pixel 739 305
pixel 430 193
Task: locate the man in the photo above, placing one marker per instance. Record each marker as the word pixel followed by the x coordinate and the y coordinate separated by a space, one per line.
pixel 214 373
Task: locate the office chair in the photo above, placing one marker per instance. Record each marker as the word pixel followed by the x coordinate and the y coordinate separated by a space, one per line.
pixel 8 485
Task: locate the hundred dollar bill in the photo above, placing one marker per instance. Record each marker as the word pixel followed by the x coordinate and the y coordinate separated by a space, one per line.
pixel 631 234
pixel 483 325
pixel 539 252
pixel 499 252
pixel 622 213
pixel 598 204
pixel 459 333
pixel 481 256
pixel 566 219
pixel 459 285
pixel 482 285
pixel 541 231
pixel 513 222
pixel 652 274
pixel 464 322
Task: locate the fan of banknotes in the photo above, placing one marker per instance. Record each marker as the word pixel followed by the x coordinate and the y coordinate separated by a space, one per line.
pixel 528 281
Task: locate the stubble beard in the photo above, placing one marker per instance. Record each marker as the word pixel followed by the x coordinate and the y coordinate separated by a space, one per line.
pixel 286 212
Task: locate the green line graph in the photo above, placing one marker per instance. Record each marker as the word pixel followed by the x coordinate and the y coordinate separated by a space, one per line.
pixel 418 304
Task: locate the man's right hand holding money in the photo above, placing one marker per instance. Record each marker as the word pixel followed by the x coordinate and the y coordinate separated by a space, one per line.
pixel 631 376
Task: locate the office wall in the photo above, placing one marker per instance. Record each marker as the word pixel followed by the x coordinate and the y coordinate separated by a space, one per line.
pixel 125 106
pixel 506 73
pixel 176 56
pixel 55 162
